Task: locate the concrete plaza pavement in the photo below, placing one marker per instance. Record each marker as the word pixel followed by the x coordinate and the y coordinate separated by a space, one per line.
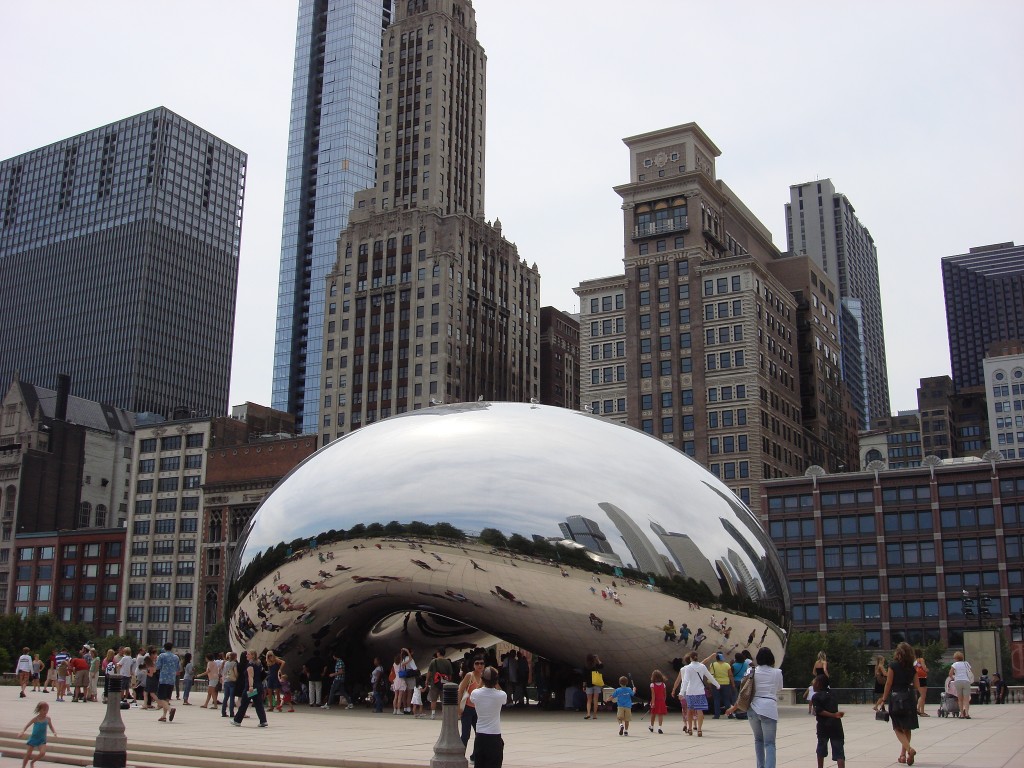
pixel 339 738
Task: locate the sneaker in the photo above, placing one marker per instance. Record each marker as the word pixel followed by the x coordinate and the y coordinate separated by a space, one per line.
pixel 170 716
pixel 235 723
pixel 650 728
pixel 263 725
pixel 433 715
pixel 660 731
pixel 325 706
pixel 622 729
pixel 626 733
pixel 350 706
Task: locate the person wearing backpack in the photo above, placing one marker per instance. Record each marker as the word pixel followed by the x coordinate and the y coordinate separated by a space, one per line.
pixel 439 672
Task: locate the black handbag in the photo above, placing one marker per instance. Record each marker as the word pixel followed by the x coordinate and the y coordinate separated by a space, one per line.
pixel 882 714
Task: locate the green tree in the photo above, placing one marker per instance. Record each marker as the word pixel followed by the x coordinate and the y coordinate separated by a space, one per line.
pixel 448 531
pixel 493 537
pixel 216 641
pixel 847 660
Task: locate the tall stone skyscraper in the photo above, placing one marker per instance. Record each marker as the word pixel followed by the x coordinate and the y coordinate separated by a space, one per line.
pixel 427 302
pixel 821 223
pixel 984 292
pixel 696 343
pixel 331 156
pixel 119 264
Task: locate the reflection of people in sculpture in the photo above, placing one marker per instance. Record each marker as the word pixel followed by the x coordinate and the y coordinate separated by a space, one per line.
pixel 596 622
pixel 340 567
pixel 750 637
pixel 422 565
pixel 670 631
pixel 763 636
pixel 476 565
pixel 698 638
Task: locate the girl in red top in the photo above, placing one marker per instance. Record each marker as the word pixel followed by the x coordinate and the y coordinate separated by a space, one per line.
pixel 658 706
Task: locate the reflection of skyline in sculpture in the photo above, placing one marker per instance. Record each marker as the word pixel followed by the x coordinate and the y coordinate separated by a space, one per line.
pixel 772 588
pixel 645 556
pixel 746 578
pixel 587 532
pixel 691 562
pixel 420 490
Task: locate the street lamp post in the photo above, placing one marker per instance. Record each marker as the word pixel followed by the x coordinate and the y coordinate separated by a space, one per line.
pixel 976 605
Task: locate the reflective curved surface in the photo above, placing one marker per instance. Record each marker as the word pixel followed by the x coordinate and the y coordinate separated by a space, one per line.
pixel 554 530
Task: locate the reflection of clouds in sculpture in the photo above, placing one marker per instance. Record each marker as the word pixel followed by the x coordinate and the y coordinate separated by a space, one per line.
pixel 543 473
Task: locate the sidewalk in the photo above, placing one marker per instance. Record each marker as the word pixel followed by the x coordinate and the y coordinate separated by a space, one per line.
pixel 993 738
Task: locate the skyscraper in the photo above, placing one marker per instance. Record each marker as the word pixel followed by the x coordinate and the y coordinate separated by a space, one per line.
pixel 984 292
pixel 428 302
pixel 821 223
pixel 697 342
pixel 119 263
pixel 331 156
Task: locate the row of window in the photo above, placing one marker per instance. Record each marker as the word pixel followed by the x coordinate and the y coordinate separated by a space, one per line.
pixel 607 327
pixel 86 613
pixel 643 273
pixel 171 443
pixel 69 552
pixel 165 484
pixel 171 463
pixel 898 495
pixel 837 612
pixel 604 304
pixel 164 547
pixel 161 591
pixel 609 406
pixel 83 592
pixel 160 614
pixel 165 525
pixel 164 568
pixel 67 571
pixel 731 470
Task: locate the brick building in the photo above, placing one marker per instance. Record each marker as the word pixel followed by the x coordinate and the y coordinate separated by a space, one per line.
pixel 893 551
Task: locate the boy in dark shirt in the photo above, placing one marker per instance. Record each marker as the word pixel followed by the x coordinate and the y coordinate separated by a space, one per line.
pixel 829 722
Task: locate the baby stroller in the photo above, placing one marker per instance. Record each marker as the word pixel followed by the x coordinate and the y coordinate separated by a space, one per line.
pixel 949 705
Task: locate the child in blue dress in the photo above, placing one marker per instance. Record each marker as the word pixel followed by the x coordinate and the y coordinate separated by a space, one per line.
pixel 39 724
pixel 623 696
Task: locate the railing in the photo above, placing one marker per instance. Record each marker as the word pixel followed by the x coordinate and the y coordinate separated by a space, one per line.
pixel 678 224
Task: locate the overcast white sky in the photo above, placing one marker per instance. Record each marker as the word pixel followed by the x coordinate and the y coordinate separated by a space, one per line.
pixel 914 110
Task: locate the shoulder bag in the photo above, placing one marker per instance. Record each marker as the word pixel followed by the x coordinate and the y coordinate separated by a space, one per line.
pixel 746 693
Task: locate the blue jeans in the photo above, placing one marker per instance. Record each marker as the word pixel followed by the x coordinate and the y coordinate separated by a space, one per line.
pixel 468 720
pixel 227 701
pixel 764 738
pixel 187 689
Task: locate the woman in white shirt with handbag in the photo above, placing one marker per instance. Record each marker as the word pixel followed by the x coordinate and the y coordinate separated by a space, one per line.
pixel 763 714
pixel 690 683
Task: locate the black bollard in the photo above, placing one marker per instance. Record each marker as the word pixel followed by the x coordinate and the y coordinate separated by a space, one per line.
pixel 112 744
pixel 449 751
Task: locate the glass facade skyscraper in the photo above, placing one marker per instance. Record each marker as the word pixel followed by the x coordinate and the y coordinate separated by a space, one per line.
pixel 119 264
pixel 984 292
pixel 331 156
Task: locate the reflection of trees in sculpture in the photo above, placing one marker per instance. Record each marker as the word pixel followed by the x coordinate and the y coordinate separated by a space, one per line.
pixel 539 547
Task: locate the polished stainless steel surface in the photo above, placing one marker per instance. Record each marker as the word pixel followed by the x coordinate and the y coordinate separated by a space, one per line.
pixel 474 522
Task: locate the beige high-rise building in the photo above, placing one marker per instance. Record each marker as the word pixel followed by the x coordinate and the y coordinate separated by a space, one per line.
pixel 428 301
pixel 709 355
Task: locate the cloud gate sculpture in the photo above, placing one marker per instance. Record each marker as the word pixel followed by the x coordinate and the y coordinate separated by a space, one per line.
pixel 555 531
